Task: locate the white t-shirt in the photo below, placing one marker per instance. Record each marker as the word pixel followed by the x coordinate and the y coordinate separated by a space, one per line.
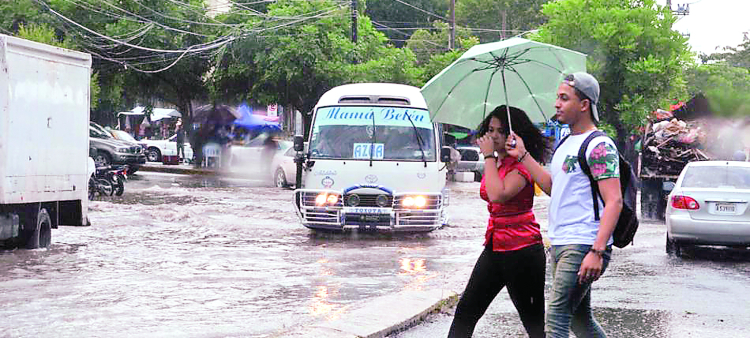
pixel 571 210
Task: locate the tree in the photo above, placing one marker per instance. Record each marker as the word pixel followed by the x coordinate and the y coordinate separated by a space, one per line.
pixel 486 17
pixel 726 87
pixel 398 20
pixel 294 64
pixel 632 50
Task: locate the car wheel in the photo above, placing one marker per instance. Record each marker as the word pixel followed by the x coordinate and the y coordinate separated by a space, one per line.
pixel 477 176
pixel 670 246
pixel 153 154
pixel 280 179
pixel 102 159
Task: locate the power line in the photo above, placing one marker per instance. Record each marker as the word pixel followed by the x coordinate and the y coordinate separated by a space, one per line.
pixel 421 10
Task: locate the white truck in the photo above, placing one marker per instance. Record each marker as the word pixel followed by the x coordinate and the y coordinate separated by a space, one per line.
pixel 44 121
pixel 374 162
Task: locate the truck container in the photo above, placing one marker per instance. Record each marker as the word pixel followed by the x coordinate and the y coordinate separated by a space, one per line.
pixel 44 92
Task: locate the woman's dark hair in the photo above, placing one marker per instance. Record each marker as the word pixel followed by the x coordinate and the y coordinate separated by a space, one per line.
pixel 522 126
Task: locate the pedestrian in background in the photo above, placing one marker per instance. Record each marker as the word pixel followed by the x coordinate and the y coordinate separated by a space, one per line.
pixel 180 139
pixel 513 253
pixel 581 245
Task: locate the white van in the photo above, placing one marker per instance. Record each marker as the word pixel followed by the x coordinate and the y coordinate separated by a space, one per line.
pixel 374 162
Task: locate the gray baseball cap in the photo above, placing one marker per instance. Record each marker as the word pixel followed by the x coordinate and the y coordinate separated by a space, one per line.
pixel 589 86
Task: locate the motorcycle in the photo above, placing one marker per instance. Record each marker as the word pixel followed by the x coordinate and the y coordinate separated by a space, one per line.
pixel 107 181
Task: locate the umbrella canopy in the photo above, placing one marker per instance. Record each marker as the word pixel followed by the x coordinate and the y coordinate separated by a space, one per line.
pixel 252 121
pixel 215 114
pixel 516 72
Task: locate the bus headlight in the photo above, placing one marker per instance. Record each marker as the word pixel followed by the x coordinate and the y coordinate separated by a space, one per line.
pixel 352 200
pixel 418 201
pixel 325 198
pixel 381 201
pixel 321 199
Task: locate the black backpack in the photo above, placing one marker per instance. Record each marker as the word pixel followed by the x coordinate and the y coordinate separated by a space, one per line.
pixel 627 224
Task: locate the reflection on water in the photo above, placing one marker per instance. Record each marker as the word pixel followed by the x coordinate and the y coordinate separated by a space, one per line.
pixel 412 266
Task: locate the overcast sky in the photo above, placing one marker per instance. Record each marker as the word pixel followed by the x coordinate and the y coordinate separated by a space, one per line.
pixel 713 23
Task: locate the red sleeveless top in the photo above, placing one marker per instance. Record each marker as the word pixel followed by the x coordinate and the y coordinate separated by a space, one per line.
pixel 512 225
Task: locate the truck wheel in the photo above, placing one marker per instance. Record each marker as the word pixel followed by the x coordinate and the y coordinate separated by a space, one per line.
pixel 153 155
pixel 40 234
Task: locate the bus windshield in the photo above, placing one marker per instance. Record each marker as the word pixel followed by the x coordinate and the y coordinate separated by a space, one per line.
pixel 377 133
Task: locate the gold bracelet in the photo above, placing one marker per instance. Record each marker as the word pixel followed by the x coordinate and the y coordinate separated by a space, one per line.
pixel 520 159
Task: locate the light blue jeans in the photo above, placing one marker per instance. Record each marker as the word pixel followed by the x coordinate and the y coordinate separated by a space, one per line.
pixel 570 302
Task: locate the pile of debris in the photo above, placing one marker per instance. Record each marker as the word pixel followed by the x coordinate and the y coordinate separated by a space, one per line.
pixel 670 144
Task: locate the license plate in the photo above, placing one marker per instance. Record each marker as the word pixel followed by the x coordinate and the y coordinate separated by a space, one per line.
pixel 725 208
pixel 364 210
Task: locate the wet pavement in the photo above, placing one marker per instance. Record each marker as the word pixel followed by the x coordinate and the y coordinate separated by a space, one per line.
pixel 203 257
pixel 644 293
pixel 194 256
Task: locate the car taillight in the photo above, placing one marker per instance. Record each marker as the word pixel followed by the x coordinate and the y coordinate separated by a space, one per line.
pixel 685 202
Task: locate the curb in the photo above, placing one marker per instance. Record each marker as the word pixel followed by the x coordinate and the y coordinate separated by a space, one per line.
pixel 182 170
pixel 381 316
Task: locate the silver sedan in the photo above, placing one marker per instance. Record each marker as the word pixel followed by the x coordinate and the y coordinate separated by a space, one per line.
pixel 709 206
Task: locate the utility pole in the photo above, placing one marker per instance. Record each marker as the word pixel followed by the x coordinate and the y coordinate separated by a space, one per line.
pixel 354 21
pixel 504 22
pixel 452 40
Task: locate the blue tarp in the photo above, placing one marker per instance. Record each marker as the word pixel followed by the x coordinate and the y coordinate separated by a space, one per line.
pixel 254 122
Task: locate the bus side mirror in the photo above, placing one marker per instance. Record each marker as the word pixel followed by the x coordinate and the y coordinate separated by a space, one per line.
pixel 445 154
pixel 299 143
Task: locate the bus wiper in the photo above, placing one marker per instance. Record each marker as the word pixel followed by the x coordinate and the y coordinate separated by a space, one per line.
pixel 419 138
pixel 374 137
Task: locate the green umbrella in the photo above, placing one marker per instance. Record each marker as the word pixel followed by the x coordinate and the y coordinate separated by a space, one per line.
pixel 515 72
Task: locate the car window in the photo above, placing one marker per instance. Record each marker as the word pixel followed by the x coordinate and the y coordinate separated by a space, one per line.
pixel 93 132
pixel 289 152
pixel 717 176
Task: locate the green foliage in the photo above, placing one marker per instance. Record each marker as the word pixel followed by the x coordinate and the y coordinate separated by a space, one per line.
pixel 632 51
pixel 402 18
pixel 521 16
pixel 726 87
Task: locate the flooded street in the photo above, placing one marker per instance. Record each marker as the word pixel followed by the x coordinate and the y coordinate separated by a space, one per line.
pixel 195 257
pixel 181 256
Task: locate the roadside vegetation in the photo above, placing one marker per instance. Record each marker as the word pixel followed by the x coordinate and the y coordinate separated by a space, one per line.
pixel 290 52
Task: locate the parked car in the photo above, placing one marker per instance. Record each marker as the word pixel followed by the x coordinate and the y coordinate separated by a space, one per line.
pixel 112 151
pixel 471 161
pixel 709 206
pixel 252 152
pixel 283 166
pixel 156 148
pixel 125 136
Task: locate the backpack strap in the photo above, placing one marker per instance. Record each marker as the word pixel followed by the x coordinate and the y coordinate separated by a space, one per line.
pixel 586 170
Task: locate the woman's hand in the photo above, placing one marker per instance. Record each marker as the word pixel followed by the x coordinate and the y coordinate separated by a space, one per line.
pixel 516 151
pixel 486 145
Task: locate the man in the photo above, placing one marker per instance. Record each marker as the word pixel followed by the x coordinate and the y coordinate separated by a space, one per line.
pixel 581 246
pixel 180 140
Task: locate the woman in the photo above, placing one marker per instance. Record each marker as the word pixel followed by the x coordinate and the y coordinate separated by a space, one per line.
pixel 513 253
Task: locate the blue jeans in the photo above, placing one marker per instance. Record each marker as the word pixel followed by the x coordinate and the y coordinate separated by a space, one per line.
pixel 570 302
